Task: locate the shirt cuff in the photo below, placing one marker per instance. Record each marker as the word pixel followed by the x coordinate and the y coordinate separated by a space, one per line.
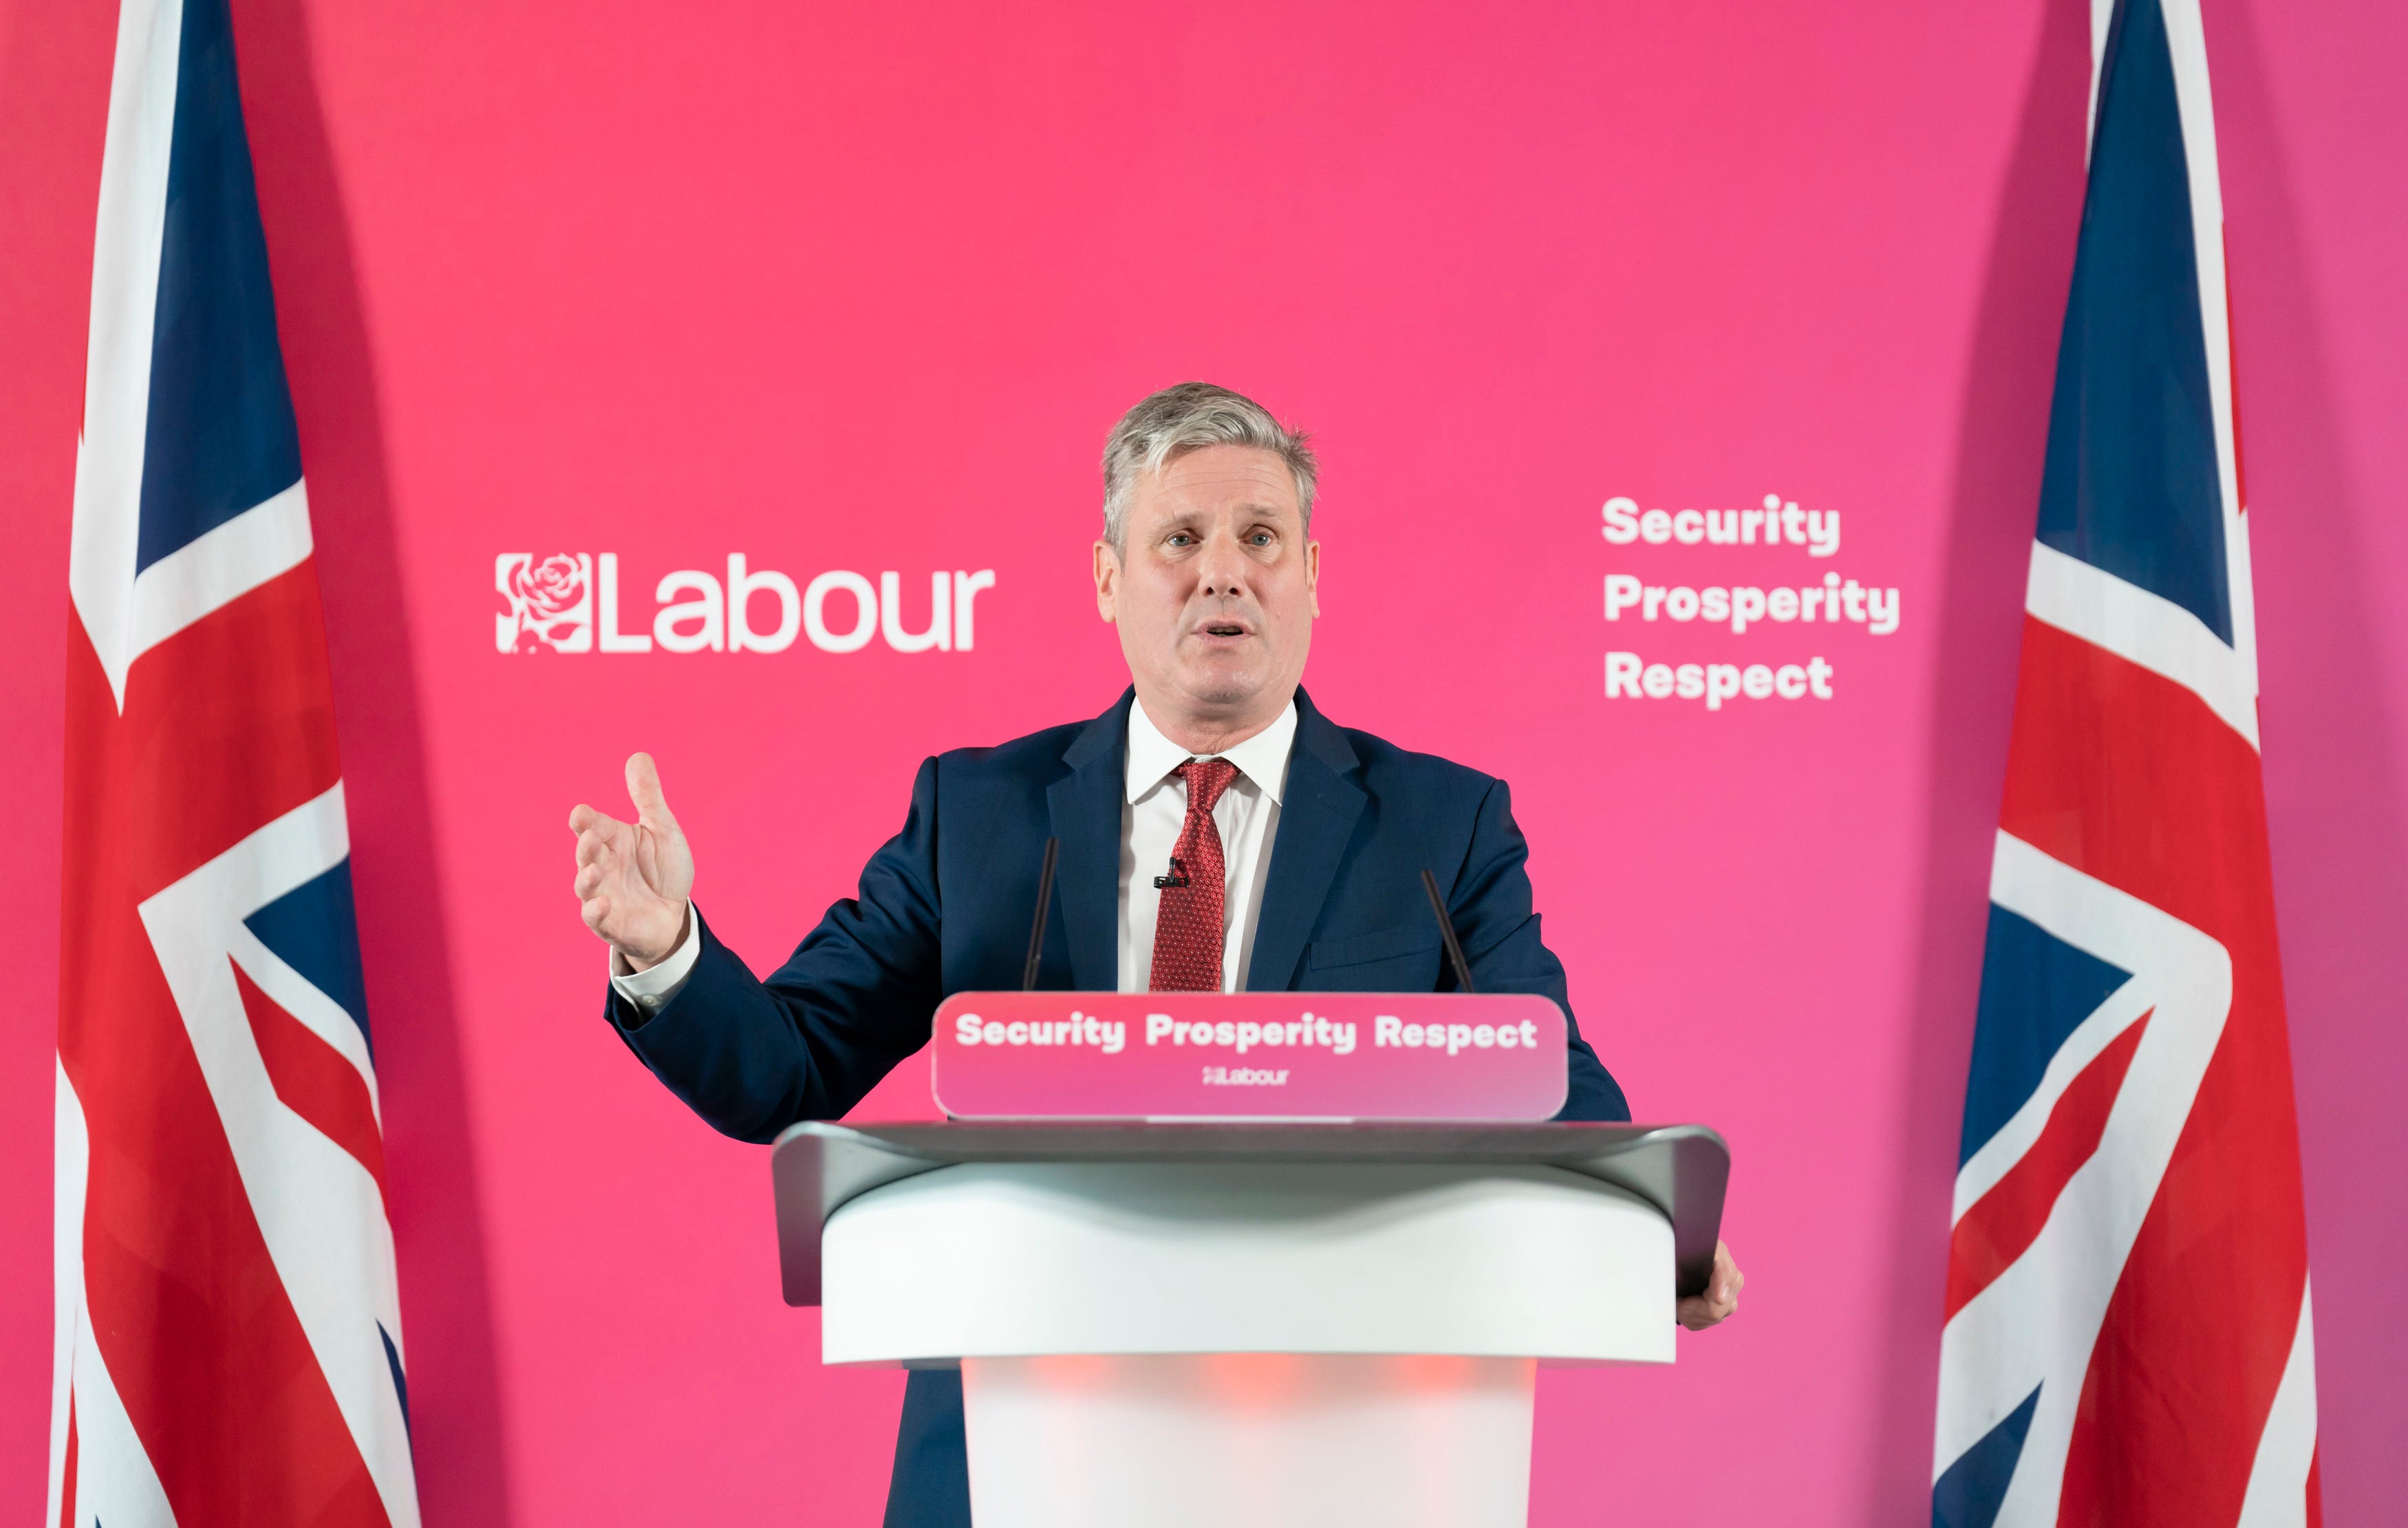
pixel 650 990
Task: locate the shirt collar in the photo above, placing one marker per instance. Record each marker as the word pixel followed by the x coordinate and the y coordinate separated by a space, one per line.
pixel 1262 758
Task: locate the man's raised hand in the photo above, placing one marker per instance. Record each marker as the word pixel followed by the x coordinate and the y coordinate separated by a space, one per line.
pixel 633 878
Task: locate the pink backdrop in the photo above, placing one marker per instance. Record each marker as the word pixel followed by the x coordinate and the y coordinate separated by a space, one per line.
pixel 861 288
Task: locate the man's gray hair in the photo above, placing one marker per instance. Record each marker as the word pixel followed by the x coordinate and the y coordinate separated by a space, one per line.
pixel 1189 418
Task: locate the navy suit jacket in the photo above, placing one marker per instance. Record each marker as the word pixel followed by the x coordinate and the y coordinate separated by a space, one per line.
pixel 945 908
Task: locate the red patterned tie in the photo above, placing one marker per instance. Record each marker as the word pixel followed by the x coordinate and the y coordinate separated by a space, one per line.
pixel 1188 928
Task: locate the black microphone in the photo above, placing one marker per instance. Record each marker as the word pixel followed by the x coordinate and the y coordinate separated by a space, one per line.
pixel 1177 875
pixel 1446 931
pixel 1044 902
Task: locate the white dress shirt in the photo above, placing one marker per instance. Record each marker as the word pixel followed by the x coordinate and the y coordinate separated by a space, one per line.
pixel 1247 815
pixel 1153 808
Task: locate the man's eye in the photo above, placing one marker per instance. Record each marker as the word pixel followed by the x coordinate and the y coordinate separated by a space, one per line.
pixel 1180 538
pixel 1262 538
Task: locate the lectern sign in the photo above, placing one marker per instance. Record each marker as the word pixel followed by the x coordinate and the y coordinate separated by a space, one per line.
pixel 1249 1056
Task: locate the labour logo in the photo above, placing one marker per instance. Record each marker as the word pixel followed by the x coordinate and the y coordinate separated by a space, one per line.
pixel 551 602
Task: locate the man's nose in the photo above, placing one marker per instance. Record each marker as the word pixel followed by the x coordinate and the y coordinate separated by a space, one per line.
pixel 1221 572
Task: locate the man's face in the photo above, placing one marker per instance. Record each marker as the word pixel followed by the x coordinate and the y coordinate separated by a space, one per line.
pixel 1213 592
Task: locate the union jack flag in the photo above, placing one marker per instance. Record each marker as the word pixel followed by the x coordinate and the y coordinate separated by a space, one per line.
pixel 2129 1338
pixel 229 1343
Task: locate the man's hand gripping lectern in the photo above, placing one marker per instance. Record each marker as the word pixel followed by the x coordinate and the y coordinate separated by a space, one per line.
pixel 1161 1324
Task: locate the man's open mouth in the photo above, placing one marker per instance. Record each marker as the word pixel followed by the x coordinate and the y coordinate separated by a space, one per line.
pixel 1224 628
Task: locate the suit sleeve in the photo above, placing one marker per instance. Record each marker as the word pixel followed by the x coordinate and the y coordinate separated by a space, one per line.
pixel 857 995
pixel 1490 904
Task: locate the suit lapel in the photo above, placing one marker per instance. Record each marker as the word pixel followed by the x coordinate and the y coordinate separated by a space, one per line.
pixel 1315 823
pixel 1084 807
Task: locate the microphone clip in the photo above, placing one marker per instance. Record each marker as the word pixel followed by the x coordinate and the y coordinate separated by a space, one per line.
pixel 1177 875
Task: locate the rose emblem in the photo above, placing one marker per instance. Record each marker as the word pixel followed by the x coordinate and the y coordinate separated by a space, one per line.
pixel 551 602
pixel 551 588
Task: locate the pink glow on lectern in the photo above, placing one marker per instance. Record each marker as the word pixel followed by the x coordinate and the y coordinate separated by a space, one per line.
pixel 1248 1055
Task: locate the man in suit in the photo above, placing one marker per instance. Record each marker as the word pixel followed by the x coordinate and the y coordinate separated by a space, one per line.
pixel 1217 832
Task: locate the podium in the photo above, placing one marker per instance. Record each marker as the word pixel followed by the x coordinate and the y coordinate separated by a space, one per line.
pixel 1264 1324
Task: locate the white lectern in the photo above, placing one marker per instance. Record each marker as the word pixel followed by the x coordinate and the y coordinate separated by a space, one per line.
pixel 1256 1324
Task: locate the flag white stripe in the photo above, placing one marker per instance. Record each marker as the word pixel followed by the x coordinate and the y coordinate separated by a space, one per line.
pixel 2186 47
pixel 124 304
pixel 218 566
pixel 2278 1481
pixel 318 1209
pixel 2186 41
pixel 71 1157
pixel 2142 628
pixel 2102 16
pixel 2037 1323
pixel 115 1486
pixel 318 1013
pixel 297 995
pixel 1998 1155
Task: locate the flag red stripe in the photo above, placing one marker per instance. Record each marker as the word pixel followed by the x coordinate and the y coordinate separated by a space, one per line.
pixel 2003 1223
pixel 228 725
pixel 186 1305
pixel 2130 777
pixel 313 1079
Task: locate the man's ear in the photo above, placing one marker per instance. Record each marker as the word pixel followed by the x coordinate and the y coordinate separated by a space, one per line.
pixel 1107 580
pixel 1312 576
